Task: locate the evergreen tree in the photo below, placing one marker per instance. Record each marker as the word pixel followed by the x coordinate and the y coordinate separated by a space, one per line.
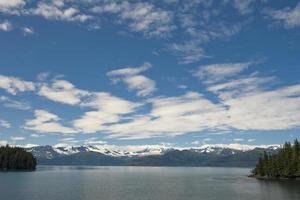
pixel 15 158
pixel 284 164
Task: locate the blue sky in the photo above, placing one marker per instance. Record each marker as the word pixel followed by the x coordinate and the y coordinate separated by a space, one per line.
pixel 182 73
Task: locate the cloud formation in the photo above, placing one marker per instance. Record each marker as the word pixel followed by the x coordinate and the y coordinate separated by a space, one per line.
pixel 141 16
pixel 10 103
pixel 27 31
pixel 218 72
pixel 57 10
pixel 4 124
pixel 5 26
pixel 132 78
pixel 290 17
pixel 17 138
pixel 107 110
pixel 62 91
pixel 14 85
pixel 46 122
pixel 11 5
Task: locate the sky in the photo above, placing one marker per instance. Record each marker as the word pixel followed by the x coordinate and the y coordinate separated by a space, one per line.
pixel 157 72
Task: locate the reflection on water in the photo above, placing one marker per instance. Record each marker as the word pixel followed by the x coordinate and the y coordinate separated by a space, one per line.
pixel 142 183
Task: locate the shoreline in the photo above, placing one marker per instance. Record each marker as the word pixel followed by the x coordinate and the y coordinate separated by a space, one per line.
pixel 272 178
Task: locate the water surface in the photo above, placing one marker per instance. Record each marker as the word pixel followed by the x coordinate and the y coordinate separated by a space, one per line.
pixel 142 183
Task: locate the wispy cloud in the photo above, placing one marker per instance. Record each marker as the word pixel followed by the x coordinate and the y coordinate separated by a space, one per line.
pixel 6 26
pixel 4 124
pixel 243 6
pixel 57 10
pixel 17 138
pixel 108 110
pixel 14 85
pixel 141 17
pixel 169 117
pixel 290 17
pixel 62 91
pixel 11 6
pixel 189 52
pixel 218 72
pixel 10 103
pixel 243 103
pixel 132 78
pixel 34 135
pixel 27 31
pixel 46 122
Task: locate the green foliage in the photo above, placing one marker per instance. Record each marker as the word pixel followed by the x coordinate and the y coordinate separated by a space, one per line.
pixel 285 164
pixel 15 158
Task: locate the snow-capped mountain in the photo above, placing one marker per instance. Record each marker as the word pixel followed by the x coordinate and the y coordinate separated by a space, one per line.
pixel 50 152
pixel 151 155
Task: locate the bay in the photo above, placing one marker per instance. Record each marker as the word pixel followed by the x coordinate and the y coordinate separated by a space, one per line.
pixel 142 183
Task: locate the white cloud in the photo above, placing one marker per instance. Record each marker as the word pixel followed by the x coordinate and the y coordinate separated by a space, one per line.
pixel 109 109
pixel 241 103
pixel 243 6
pixel 129 71
pixel 182 86
pixel 238 139
pixel 255 109
pixel 289 16
pixel 34 135
pixel 46 122
pixel 43 76
pixel 11 6
pixel 3 142
pixel 203 142
pixel 28 31
pixel 27 145
pixel 218 72
pixel 6 26
pixel 94 141
pixel 237 87
pixel 69 140
pixel 264 110
pixel 110 104
pixel 17 138
pixel 189 52
pixel 14 85
pixel 19 105
pixel 4 124
pixel 132 78
pixel 106 109
pixel 63 91
pixel 57 11
pixel 95 121
pixel 142 17
pixel 172 116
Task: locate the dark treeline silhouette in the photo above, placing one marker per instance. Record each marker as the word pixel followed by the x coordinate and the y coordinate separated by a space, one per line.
pixel 15 158
pixel 285 164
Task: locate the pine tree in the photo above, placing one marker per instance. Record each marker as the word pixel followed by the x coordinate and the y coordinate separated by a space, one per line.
pixel 284 164
pixel 15 158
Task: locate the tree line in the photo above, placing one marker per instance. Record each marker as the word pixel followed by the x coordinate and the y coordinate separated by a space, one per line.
pixel 284 164
pixel 16 158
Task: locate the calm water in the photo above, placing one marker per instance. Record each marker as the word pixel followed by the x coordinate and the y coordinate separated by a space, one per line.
pixel 132 183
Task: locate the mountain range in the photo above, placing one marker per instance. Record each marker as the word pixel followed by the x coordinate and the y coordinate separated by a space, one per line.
pixel 103 155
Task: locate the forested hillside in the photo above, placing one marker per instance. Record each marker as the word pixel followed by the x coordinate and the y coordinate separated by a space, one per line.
pixel 285 164
pixel 15 158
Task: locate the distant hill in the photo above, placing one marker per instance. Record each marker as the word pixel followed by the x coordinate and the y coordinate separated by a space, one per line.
pixel 15 158
pixel 100 155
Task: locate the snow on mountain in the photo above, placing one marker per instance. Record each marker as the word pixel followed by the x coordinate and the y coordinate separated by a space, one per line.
pixel 49 152
pixel 235 146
